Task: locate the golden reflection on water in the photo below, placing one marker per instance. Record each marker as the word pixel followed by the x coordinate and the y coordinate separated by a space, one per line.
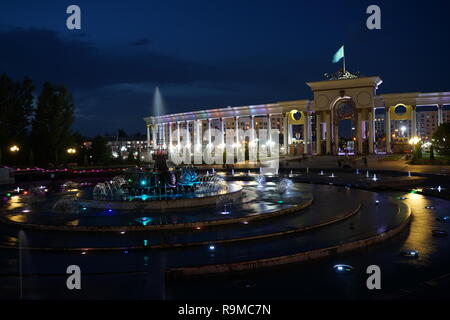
pixel 420 235
pixel 18 217
pixel 15 202
pixel 74 223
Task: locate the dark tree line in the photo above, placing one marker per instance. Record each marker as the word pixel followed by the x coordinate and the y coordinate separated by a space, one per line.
pixel 41 128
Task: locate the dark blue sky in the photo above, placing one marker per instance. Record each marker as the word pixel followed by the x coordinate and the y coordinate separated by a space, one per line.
pixel 215 53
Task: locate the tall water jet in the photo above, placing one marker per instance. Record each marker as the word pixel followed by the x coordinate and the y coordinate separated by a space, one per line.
pixel 375 177
pixel 158 104
pixel 357 171
pixel 158 110
pixel 409 173
pixel 367 174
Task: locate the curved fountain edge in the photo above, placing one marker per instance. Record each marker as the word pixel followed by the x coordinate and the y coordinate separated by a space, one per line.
pixel 188 225
pixel 337 219
pixel 175 273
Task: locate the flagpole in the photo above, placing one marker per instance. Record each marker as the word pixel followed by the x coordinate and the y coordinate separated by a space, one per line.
pixel 343 51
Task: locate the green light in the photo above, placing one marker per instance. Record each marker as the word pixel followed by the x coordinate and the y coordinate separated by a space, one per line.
pixel 280 201
pixel 8 194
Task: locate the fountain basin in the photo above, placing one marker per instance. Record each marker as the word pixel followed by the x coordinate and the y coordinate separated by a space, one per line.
pixel 233 191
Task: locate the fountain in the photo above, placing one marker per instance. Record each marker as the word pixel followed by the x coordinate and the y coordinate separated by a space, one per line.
pixel 409 173
pixel 260 179
pixel 375 177
pixel 367 174
pixel 153 184
pixel 321 173
pixel 282 187
pixel 332 175
pixel 357 171
pixel 291 174
pixel 232 172
pixel 307 170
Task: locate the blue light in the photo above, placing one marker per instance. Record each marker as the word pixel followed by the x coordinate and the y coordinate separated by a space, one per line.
pixel 212 247
pixel 143 182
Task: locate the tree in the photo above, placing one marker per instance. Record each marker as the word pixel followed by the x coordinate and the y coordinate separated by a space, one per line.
pixel 51 127
pixel 16 109
pixel 100 151
pixel 441 138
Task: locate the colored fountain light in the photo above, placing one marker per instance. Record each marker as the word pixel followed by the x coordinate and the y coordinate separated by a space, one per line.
pixel 375 177
pixel 342 268
pixel 410 254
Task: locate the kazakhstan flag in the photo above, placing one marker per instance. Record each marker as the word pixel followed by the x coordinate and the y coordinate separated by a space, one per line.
pixel 338 55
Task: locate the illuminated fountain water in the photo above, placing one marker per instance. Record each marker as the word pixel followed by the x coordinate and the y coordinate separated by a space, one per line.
pixel 157 183
pixel 375 177
pixel 260 179
pixel 282 187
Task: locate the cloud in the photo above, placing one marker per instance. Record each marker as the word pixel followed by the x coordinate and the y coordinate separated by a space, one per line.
pixel 108 86
pixel 141 42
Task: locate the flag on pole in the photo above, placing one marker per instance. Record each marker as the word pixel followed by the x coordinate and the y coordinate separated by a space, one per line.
pixel 338 55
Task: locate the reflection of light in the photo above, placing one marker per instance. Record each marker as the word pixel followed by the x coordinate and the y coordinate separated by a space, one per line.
pixel 212 247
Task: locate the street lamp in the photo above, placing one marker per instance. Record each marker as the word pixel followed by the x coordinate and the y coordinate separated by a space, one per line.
pixel 14 148
pixel 71 151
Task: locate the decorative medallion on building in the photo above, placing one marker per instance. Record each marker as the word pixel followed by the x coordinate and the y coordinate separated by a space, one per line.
pixel 345 109
pixel 342 75
pixel 297 116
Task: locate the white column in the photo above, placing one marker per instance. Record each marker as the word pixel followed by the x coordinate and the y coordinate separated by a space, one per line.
pixel 440 114
pixel 413 122
pixel 328 126
pixel 148 135
pixel 306 129
pixel 178 134
pixel 371 136
pixel 387 120
pixel 269 134
pixel 236 133
pixel 164 134
pixel 209 132
pixel 318 132
pixel 285 133
pixel 198 124
pixel 170 134
pixel 309 121
pixel 359 132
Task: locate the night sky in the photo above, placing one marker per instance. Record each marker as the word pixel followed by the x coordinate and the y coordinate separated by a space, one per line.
pixel 214 53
